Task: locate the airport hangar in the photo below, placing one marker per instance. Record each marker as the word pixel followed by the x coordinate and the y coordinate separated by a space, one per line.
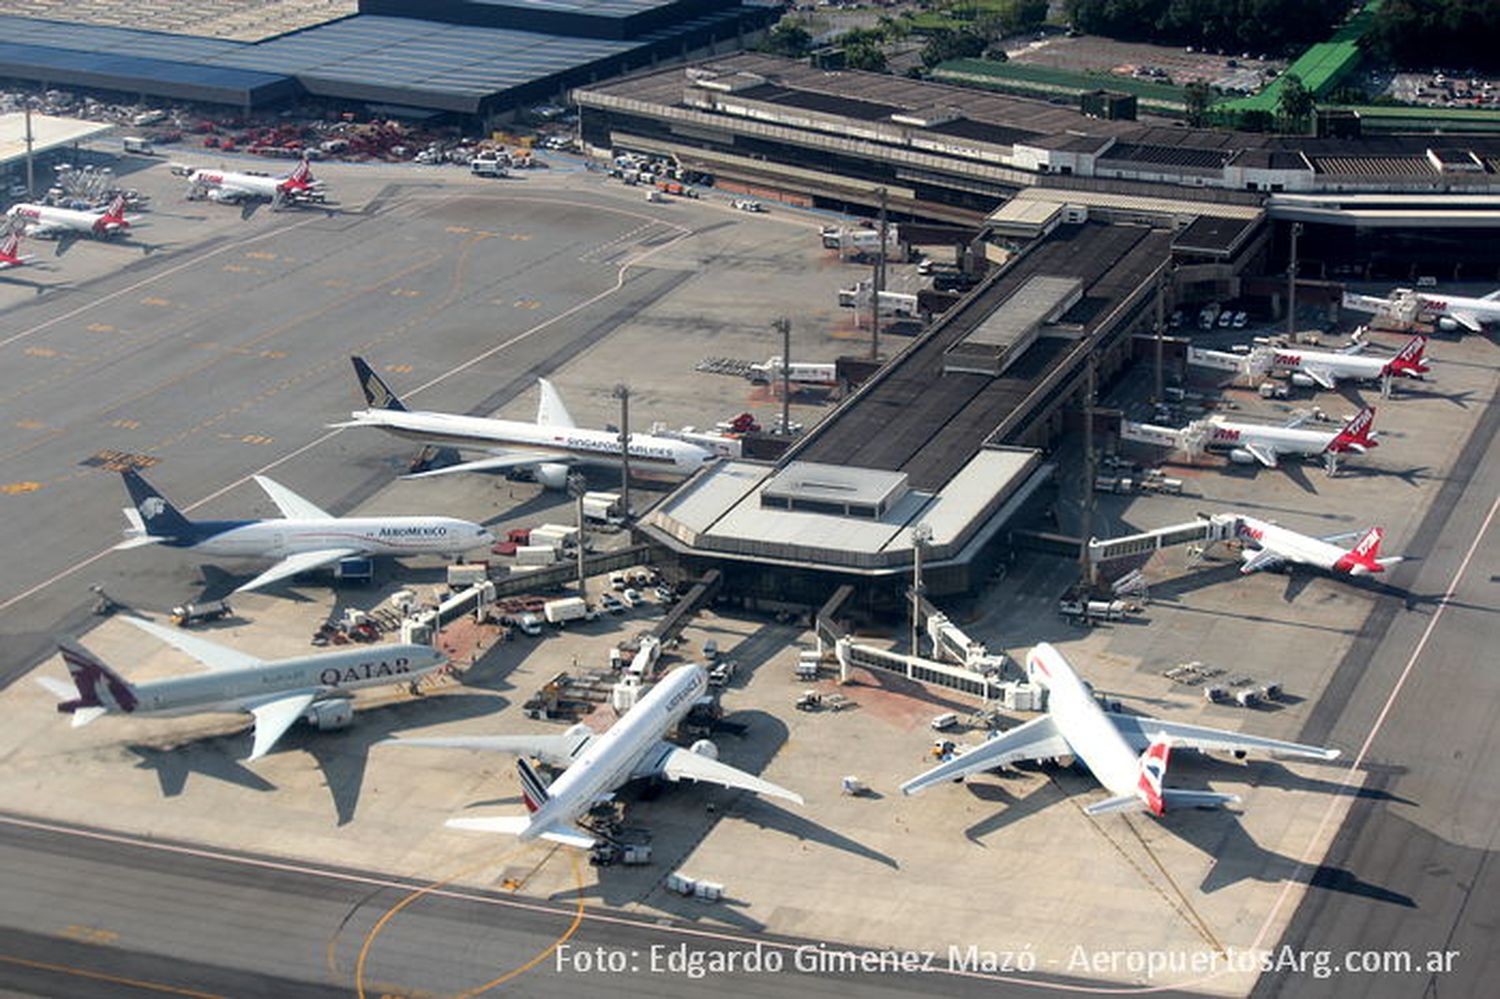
pixel 1384 207
pixel 476 61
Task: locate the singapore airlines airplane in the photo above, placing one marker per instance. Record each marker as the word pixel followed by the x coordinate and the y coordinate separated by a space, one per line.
pixel 545 447
pixel 1108 744
pixel 228 187
pixel 1268 546
pixel 633 747
pixel 305 537
pixel 276 694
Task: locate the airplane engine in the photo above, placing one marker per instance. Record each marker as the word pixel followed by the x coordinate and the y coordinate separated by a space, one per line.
pixel 220 195
pixel 704 747
pixel 552 475
pixel 1448 325
pixel 331 715
pixel 1240 456
pixel 1302 381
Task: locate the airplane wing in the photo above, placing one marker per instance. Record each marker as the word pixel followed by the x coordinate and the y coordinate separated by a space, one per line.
pixel 675 764
pixel 1334 539
pixel 1263 453
pixel 273 716
pixel 1038 739
pixel 1467 320
pixel 294 564
pixel 557 832
pixel 554 750
pixel 292 506
pixel 1265 558
pixel 1141 731
pixel 211 654
pixel 495 463
pixel 1492 296
pixel 1321 375
pixel 42 230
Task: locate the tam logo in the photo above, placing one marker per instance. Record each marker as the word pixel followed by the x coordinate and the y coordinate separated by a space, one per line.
pixel 1289 360
pixel 1223 434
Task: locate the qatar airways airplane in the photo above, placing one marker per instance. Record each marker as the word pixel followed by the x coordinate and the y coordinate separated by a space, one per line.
pixel 634 747
pixel 546 447
pixel 1128 754
pixel 305 537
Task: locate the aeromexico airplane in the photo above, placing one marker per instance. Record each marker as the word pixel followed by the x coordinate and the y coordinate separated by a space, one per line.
pixel 305 537
pixel 634 747
pixel 1107 743
pixel 275 694
pixel 546 447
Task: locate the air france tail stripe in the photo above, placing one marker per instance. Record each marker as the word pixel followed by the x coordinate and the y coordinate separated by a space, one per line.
pixel 532 788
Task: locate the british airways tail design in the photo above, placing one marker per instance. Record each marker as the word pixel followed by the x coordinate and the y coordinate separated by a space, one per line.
pixel 305 537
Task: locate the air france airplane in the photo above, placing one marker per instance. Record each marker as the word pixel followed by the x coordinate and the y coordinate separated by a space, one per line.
pixel 545 447
pixel 596 765
pixel 305 537
pixel 276 694
pixel 1128 754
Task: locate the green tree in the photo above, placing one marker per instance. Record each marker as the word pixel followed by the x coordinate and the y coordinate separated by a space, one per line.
pixel 788 39
pixel 944 45
pixel 1198 96
pixel 1295 103
pixel 866 56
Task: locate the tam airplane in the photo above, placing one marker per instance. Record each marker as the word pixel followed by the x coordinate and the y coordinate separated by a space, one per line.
pixel 546 447
pixel 1128 754
pixel 45 220
pixel 1453 312
pixel 228 187
pixel 305 537
pixel 1268 546
pixel 596 765
pixel 276 694
pixel 1326 368
pixel 1248 443
pixel 10 252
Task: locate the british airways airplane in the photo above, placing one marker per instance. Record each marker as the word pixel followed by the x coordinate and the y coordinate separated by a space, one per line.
pixel 305 537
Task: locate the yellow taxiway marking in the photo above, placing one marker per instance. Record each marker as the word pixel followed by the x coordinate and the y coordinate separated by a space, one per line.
pixel 16 488
pixel 126 424
pixel 526 303
pixel 236 268
pixel 100 328
pixel 335 283
pixel 40 352
pixel 100 976
pixel 272 355
pixel 399 369
pixel 154 300
pixel 256 439
pixel 89 934
pixel 260 255
pixel 30 424
pixel 458 230
pixel 405 293
pixel 520 237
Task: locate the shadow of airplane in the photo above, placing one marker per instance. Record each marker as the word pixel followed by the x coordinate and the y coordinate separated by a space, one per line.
pixel 173 765
pixel 769 815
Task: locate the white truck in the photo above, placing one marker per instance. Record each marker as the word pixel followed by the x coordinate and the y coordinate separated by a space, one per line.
pixel 801 372
pixel 602 507
pixel 566 609
pixel 487 165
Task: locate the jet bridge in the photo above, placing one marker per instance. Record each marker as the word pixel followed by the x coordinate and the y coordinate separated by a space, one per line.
pixel 985 686
pixel 1218 527
pixel 950 642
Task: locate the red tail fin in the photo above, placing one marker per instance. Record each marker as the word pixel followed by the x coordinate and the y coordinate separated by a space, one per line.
pixel 1410 360
pixel 10 248
pixel 116 210
pixel 301 175
pixel 1153 772
pixel 1356 433
pixel 1364 556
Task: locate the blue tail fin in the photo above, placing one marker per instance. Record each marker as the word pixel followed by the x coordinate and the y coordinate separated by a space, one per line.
pixel 377 393
pixel 532 788
pixel 158 516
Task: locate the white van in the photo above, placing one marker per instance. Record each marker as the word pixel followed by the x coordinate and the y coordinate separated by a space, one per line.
pixel 944 721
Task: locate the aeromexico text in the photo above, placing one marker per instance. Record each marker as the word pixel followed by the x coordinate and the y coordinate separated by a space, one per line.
pixel 414 531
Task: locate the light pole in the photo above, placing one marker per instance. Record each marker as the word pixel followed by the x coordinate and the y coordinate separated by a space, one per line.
pixel 1291 286
pixel 577 486
pixel 622 392
pixel 921 536
pixel 877 285
pixel 784 326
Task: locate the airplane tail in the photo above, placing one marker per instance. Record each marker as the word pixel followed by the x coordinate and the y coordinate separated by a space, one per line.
pixel 1411 360
pixel 532 789
pixel 377 393
pixel 1357 434
pixel 523 827
pixel 116 210
pixel 100 689
pixel 1151 796
pixel 1364 557
pixel 301 175
pixel 158 517
pixel 10 249
pixel 550 411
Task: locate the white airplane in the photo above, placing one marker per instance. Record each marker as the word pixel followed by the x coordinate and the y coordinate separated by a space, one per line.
pixel 546 447
pixel 305 537
pixel 1453 312
pixel 1326 368
pixel 1268 546
pixel 45 220
pixel 596 765
pixel 276 693
pixel 1128 754
pixel 10 255
pixel 1248 443
pixel 228 187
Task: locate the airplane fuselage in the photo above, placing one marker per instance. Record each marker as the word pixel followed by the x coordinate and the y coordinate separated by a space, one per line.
pixel 330 673
pixel 1081 721
pixel 1288 544
pixel 367 535
pixel 1283 440
pixel 598 447
pixel 1434 307
pixel 1339 366
pixel 611 759
pixel 49 219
